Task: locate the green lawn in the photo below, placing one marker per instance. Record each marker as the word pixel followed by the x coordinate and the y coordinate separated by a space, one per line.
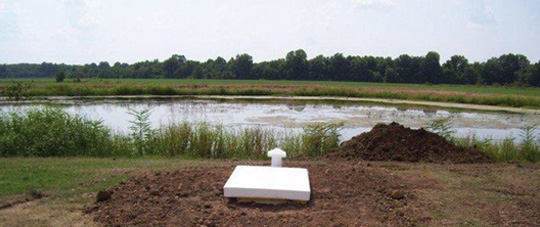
pixel 63 176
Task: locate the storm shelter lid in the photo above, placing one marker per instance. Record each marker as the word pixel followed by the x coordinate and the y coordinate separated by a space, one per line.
pixel 266 182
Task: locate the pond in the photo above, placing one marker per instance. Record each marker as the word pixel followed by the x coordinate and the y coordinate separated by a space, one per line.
pixel 288 115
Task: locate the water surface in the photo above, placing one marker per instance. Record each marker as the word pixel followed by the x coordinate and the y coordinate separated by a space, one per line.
pixel 291 116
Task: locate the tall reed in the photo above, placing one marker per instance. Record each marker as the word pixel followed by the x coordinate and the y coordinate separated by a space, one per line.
pixel 203 140
pixel 506 150
pixel 53 132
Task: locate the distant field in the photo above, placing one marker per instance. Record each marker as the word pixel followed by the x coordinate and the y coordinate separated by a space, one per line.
pixel 486 95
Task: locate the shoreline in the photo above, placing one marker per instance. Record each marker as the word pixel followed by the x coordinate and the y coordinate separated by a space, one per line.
pixel 4 100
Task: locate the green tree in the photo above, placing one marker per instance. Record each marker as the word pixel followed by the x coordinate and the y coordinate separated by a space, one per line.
pixel 454 70
pixel 506 69
pixel 241 66
pixel 270 70
pixel 296 65
pixel 104 65
pixel 221 69
pixel 532 76
pixel 104 71
pixel 512 68
pixel 430 69
pixel 47 70
pixel 3 71
pixel 16 90
pixel 406 70
pixel 172 65
pixel 385 69
pixel 338 67
pixel 473 73
pixel 491 71
pixel 318 68
pixel 60 76
pixel 365 69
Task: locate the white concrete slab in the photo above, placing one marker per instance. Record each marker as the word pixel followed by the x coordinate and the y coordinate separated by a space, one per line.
pixel 267 182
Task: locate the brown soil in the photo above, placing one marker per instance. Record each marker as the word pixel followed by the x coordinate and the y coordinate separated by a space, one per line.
pixel 31 195
pixel 394 142
pixel 343 194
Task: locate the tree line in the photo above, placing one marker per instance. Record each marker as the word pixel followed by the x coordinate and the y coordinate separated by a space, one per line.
pixel 508 69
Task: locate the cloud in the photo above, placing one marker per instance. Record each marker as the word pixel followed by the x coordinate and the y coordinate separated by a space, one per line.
pixel 87 3
pixel 93 3
pixel 480 17
pixel 372 4
pixel 89 19
pixel 83 14
pixel 8 22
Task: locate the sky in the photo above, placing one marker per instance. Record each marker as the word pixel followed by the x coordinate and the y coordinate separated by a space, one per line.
pixel 84 31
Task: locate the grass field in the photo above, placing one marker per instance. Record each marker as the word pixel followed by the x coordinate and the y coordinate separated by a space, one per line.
pixel 485 95
pixel 459 193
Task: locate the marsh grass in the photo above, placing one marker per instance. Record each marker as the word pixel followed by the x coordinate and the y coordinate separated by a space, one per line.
pixel 319 139
pixel 52 132
pixel 203 140
pixel 443 127
pixel 530 147
pixel 506 150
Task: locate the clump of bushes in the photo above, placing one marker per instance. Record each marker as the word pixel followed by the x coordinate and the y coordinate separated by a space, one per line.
pixel 16 90
pixel 52 132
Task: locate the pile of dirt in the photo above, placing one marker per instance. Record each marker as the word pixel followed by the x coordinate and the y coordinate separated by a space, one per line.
pixel 394 142
pixel 343 194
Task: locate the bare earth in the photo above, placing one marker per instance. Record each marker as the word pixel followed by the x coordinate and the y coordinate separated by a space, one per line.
pixel 344 193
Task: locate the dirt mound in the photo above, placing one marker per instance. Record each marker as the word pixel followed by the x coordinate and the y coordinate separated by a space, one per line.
pixel 343 194
pixel 394 142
